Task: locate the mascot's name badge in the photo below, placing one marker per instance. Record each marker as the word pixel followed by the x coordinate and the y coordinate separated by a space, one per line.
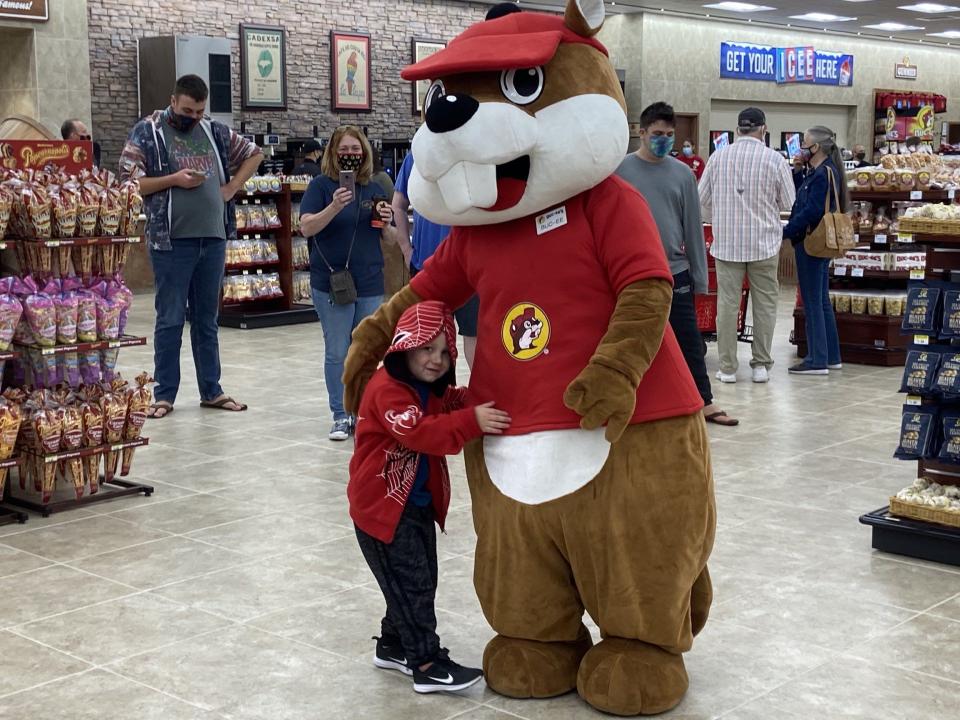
pixel 551 220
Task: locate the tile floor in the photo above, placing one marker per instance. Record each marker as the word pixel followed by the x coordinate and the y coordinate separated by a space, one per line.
pixel 237 590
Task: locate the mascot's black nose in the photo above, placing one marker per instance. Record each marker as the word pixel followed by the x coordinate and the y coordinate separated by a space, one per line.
pixel 449 112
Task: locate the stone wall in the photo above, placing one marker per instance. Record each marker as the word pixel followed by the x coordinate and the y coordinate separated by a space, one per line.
pixel 44 71
pixel 115 25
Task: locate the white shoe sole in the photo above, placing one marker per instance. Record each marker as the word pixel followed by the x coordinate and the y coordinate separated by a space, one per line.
pixel 431 688
pixel 809 372
pixel 339 436
pixel 835 367
pixel 760 380
pixel 390 665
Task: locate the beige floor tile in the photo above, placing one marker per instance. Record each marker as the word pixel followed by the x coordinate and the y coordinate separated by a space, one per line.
pixel 925 644
pixel 99 695
pixel 88 536
pixel 282 491
pixel 189 513
pixel 37 521
pixel 363 693
pixel 208 476
pixel 161 562
pixel 285 533
pixel 24 663
pixel 244 592
pixel 220 669
pixel 13 561
pixel 455 591
pixel 340 559
pixel 334 511
pixel 856 690
pixel 949 609
pixel 52 590
pixel 119 628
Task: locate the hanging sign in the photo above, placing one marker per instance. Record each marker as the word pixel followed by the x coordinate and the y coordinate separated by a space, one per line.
pixel 35 10
pixel 69 156
pixel 785 65
pixel 904 70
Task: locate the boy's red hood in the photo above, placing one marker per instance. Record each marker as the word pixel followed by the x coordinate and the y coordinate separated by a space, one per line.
pixel 420 324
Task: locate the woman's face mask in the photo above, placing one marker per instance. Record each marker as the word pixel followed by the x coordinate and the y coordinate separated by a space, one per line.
pixel 350 161
pixel 687 151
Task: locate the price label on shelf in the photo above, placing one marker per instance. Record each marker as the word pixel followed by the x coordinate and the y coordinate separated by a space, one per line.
pixel 246 272
pixel 856 238
pixel 880 239
pixel 257 201
pixel 259 272
pixel 856 272
pixel 914 400
pixel 905 237
pixel 116 448
pixel 951 194
pixel 840 270
pixel 916 194
pixel 257 236
pixel 917 274
pixel 114 344
pixel 921 339
pixel 52 243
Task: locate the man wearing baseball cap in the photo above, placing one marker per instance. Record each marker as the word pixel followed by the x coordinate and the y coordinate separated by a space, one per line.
pixel 312 150
pixel 743 190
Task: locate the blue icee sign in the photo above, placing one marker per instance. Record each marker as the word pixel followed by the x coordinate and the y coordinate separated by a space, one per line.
pixel 785 65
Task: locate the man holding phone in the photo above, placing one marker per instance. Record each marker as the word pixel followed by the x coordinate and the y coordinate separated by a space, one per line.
pixel 189 169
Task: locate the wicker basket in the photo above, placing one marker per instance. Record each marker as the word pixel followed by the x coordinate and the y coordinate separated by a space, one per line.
pixel 926 514
pixel 929 226
pixel 915 225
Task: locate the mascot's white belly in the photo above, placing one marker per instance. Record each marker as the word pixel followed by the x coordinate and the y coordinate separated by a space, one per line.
pixel 542 466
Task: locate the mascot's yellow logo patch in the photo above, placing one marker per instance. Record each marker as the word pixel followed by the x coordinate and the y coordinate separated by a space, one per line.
pixel 526 331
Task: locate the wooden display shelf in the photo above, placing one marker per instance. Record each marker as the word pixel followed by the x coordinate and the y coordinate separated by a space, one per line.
pixel 864 339
pixel 77 241
pixel 869 274
pixel 251 266
pixel 125 341
pixel 9 515
pixel 251 301
pixel 925 195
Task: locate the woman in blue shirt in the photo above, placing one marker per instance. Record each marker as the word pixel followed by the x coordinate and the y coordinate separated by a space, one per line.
pixel 821 158
pixel 338 223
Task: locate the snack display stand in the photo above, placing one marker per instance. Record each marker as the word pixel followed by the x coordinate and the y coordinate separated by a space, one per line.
pixel 65 414
pixel 273 278
pixel 883 263
pixel 923 521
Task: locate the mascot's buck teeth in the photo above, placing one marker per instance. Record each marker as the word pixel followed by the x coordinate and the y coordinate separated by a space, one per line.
pixel 468 185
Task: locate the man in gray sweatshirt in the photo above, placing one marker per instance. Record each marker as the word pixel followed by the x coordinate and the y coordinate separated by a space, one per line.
pixel 670 189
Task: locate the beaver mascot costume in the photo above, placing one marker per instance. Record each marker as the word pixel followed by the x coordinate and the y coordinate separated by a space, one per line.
pixel 600 496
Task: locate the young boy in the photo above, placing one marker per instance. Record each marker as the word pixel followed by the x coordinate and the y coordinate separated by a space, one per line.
pixel 411 415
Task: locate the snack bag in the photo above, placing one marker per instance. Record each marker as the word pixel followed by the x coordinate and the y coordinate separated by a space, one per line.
pixel 11 310
pixel 920 313
pixel 90 367
pixel 92 437
pixel 950 447
pixel 48 429
pixel 139 400
pixel 108 318
pixel 88 210
pixel 917 428
pixel 68 311
pixel 68 368
pixel 73 440
pixel 114 406
pixel 10 418
pixel 919 372
pixel 950 326
pixel 119 293
pixel 86 316
pixel 6 208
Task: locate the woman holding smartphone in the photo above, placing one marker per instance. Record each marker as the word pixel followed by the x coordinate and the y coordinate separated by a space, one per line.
pixel 344 214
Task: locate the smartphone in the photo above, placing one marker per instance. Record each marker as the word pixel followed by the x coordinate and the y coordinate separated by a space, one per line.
pixel 197 173
pixel 348 180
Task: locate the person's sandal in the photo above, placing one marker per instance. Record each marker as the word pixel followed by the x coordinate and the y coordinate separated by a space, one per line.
pixel 721 418
pixel 222 403
pixel 159 410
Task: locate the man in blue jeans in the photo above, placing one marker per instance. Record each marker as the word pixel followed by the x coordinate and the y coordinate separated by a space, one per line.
pixel 671 191
pixel 189 169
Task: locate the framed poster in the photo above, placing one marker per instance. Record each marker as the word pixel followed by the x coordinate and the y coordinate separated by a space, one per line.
pixel 421 49
pixel 350 72
pixel 263 67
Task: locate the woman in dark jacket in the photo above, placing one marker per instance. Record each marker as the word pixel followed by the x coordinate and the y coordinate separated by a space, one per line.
pixel 821 159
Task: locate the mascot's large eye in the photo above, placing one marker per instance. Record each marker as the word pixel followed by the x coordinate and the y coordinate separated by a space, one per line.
pixel 436 90
pixel 522 86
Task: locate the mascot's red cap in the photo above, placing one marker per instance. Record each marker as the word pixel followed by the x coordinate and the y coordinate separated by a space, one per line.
pixel 528 314
pixel 517 40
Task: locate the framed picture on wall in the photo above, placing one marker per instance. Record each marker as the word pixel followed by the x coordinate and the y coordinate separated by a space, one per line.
pixel 350 72
pixel 263 67
pixel 720 139
pixel 421 49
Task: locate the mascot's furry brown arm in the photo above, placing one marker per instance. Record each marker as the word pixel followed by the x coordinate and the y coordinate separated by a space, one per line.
pixel 600 496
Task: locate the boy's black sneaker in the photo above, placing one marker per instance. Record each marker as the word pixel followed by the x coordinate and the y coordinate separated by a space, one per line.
pixel 444 675
pixel 389 655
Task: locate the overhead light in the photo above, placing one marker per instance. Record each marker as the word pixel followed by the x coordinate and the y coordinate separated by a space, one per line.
pixel 946 34
pixel 930 8
pixel 893 27
pixel 739 7
pixel 821 17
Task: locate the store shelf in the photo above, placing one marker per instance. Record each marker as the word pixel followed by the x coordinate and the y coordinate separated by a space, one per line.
pixel 125 341
pixel 915 195
pixel 253 266
pixel 858 273
pixel 264 234
pixel 8 355
pixel 902 536
pixel 84 452
pixel 864 339
pixel 235 317
pixel 76 241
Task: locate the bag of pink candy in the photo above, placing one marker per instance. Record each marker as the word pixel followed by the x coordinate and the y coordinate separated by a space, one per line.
pixel 11 309
pixel 41 313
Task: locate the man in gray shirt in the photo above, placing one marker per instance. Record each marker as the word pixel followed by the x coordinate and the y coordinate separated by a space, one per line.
pixel 670 189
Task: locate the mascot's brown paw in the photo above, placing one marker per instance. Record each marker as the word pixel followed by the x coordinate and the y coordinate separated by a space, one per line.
pixel 629 677
pixel 530 669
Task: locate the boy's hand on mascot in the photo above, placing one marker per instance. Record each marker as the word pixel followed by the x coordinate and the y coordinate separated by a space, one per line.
pixel 491 420
pixel 602 396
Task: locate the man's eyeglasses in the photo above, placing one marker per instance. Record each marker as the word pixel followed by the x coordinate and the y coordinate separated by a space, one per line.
pixel 84 137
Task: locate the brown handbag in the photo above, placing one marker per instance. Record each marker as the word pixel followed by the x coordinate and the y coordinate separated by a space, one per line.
pixel 834 235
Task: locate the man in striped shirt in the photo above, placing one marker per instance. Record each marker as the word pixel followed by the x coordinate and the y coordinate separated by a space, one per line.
pixel 743 190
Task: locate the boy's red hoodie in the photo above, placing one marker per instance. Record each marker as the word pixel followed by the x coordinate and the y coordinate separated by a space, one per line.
pixel 395 434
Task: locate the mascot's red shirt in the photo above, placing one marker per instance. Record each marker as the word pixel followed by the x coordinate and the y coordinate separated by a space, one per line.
pixel 548 285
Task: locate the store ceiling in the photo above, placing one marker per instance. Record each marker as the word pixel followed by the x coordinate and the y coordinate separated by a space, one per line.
pixel 864 13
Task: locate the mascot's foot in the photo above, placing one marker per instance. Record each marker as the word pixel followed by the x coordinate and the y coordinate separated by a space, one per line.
pixel 530 669
pixel 629 677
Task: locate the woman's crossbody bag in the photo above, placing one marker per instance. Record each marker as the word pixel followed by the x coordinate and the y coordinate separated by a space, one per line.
pixel 343 290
